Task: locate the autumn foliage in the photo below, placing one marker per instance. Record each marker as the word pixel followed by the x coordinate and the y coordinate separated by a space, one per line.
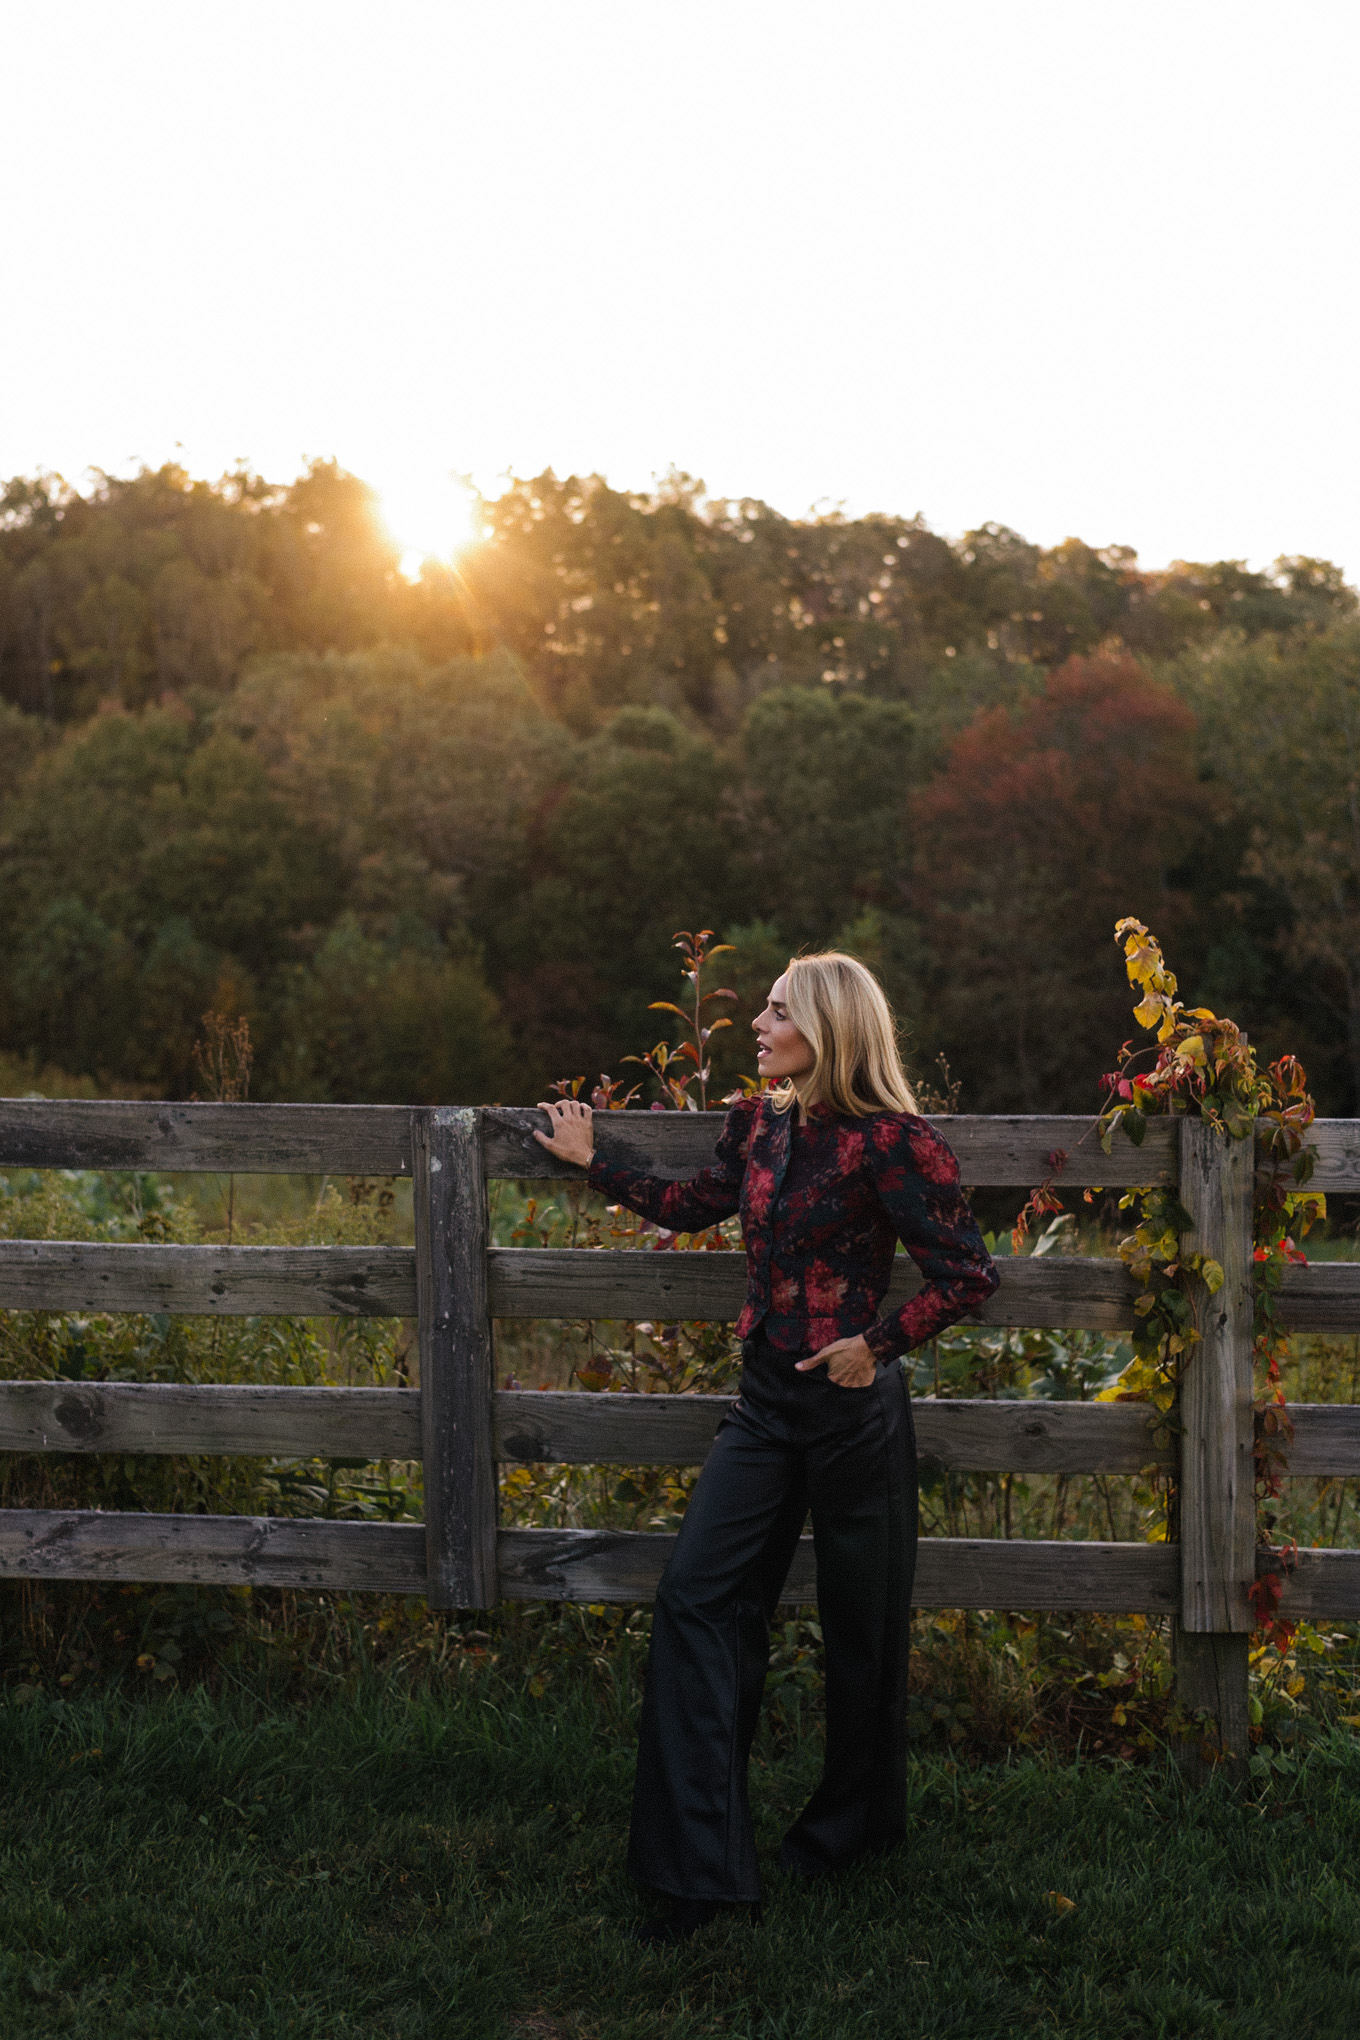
pixel 1046 823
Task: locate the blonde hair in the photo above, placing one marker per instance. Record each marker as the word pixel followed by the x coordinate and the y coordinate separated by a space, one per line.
pixel 839 1009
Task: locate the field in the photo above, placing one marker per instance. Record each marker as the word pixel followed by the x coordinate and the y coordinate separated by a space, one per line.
pixel 394 1865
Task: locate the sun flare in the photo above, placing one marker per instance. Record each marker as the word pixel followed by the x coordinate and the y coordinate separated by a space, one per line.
pixel 430 516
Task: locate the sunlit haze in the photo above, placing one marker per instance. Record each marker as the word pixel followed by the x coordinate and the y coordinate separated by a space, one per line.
pixel 1078 267
pixel 429 516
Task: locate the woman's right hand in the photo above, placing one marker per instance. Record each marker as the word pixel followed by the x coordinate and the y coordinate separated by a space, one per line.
pixel 572 1138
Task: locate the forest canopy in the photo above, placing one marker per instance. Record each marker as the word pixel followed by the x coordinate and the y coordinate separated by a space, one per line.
pixel 433 837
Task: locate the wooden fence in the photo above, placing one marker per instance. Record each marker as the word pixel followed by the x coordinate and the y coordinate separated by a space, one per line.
pixel 460 1425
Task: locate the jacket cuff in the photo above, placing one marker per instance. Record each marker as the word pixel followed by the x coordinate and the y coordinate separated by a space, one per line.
pixel 885 1338
pixel 603 1175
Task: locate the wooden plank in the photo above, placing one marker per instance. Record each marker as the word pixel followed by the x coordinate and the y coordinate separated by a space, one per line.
pixel 1217 1511
pixel 156 1417
pixel 262 1551
pixel 555 1426
pixel 577 1565
pixel 993 1151
pixel 951 1572
pixel 375 1140
pixel 569 1427
pixel 1211 1673
pixel 1323 1297
pixel 667 1144
pixel 457 1364
pixel 208 1281
pixel 1037 1437
pixel 1052 1291
pixel 1317 1584
pixel 1326 1440
pixel 1336 1144
pixel 248 1140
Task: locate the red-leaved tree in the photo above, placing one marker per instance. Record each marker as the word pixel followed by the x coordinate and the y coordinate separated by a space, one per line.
pixel 1046 825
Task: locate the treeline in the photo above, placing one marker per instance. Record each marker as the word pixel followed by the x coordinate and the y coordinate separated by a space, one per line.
pixel 434 838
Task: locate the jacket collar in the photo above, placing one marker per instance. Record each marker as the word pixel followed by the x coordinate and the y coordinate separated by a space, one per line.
pixel 778 1142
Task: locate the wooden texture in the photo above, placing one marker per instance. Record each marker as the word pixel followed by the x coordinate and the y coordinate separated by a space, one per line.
pixel 249 1140
pixel 572 1427
pixel 208 1281
pixel 556 1426
pixel 1323 1297
pixel 556 1565
pixel 262 1551
pixel 561 1427
pixel 1052 1291
pixel 994 1152
pixel 1317 1584
pixel 1336 1144
pixel 951 1572
pixel 1217 1513
pixel 1212 1688
pixel 457 1366
pixel 156 1417
pixel 376 1140
pixel 542 1282
pixel 1326 1440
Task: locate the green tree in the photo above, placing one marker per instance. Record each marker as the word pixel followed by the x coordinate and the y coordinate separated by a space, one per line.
pixel 1281 738
pixel 632 844
pixel 828 779
pixel 390 1024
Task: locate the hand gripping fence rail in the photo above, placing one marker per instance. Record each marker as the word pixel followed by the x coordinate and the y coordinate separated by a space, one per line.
pixel 460 1425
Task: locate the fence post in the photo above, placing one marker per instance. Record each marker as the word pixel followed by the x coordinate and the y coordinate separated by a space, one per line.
pixel 1217 1509
pixel 457 1377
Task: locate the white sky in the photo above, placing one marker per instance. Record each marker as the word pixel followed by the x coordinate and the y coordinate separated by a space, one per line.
pixel 1085 268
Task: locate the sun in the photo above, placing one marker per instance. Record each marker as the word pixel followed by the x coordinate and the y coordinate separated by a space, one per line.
pixel 430 516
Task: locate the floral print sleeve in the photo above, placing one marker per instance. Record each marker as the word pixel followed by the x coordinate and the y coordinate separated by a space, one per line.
pixel 917 1181
pixel 702 1200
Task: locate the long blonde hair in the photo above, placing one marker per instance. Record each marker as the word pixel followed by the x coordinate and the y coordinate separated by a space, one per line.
pixel 839 1009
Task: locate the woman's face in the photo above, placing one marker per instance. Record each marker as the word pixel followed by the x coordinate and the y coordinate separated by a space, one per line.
pixel 782 1051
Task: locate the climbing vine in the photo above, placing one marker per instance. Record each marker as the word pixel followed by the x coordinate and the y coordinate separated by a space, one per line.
pixel 1204 1064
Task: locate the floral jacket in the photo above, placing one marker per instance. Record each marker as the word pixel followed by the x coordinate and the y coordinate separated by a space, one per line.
pixel 820 1235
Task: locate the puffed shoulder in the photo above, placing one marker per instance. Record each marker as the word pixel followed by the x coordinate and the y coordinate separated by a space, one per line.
pixel 906 1138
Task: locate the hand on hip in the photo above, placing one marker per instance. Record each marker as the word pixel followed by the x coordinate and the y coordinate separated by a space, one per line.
pixel 850 1363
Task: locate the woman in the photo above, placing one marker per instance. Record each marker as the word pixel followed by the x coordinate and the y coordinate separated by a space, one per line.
pixel 828 1172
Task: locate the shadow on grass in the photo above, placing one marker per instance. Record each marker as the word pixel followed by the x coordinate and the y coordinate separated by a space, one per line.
pixel 411 1864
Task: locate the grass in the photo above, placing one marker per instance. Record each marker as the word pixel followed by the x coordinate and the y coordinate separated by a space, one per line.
pixel 409 1864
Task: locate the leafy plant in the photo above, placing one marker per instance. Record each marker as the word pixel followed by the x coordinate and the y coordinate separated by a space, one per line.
pixel 1205 1064
pixel 664 1058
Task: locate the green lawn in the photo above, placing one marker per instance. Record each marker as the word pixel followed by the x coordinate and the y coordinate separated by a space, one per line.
pixel 378 1865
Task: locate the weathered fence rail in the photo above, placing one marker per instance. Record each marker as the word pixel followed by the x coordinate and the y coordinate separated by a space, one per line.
pixel 460 1426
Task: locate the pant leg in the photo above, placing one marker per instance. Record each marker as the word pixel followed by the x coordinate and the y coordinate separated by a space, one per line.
pixel 863 1493
pixel 691 1830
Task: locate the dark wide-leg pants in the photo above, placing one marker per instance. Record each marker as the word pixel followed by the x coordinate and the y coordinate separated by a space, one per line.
pixel 791 1443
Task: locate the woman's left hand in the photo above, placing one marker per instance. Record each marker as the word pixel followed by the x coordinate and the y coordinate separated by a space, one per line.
pixel 849 1362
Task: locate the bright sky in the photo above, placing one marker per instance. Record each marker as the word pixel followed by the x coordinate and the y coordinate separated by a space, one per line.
pixel 1083 267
